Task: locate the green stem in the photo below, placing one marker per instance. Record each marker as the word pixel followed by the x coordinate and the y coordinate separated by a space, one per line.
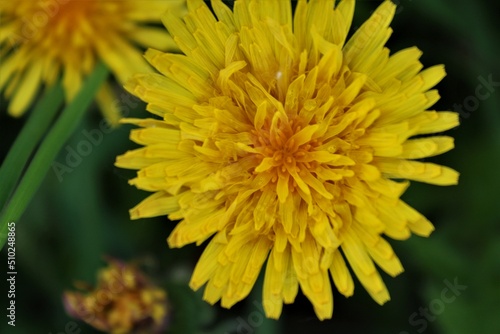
pixel 60 132
pixel 27 140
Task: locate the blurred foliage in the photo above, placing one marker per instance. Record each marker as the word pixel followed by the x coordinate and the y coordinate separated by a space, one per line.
pixel 78 217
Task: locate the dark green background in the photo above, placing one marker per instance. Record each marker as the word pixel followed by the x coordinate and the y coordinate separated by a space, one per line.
pixel 70 225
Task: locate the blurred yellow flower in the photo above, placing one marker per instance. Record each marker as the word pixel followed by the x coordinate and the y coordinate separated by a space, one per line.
pixel 282 141
pixel 124 301
pixel 42 40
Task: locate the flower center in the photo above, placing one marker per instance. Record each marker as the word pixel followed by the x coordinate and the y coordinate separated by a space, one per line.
pixel 72 13
pixel 283 149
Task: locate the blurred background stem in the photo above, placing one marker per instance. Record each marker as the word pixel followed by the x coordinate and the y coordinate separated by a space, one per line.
pixel 55 139
pixel 28 139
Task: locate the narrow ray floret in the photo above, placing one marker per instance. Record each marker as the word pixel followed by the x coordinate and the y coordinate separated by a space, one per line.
pixel 279 142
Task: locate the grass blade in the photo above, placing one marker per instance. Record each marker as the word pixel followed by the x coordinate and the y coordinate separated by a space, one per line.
pixel 35 127
pixel 58 135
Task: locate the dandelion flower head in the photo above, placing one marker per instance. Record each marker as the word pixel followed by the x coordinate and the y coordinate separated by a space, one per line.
pixel 42 40
pixel 123 301
pixel 283 144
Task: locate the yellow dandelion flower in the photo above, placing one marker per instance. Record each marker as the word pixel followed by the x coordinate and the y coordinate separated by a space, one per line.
pixel 281 141
pixel 41 40
pixel 124 301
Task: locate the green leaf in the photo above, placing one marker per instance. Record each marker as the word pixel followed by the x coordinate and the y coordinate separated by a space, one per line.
pixel 36 126
pixel 60 132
